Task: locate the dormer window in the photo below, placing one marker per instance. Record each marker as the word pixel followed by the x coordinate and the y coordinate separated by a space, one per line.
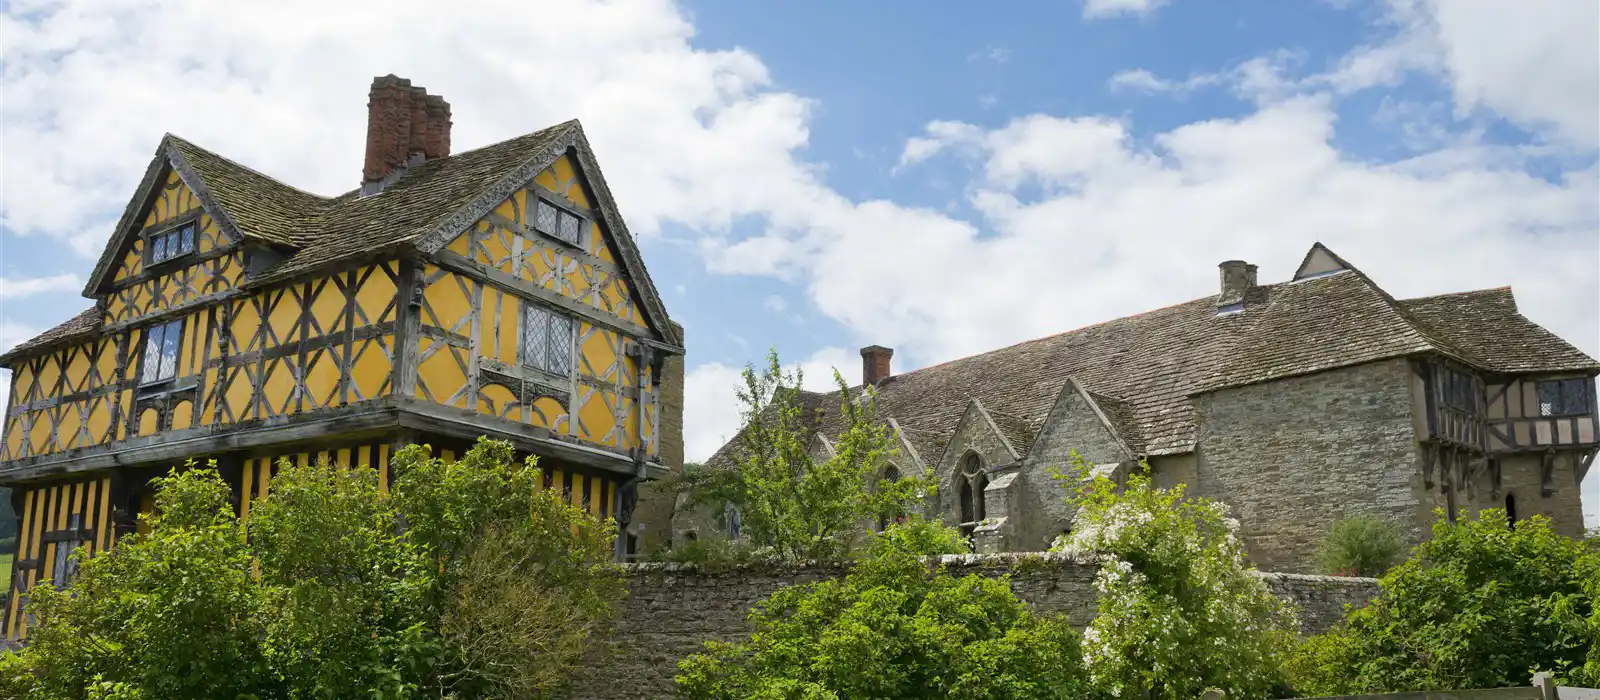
pixel 1564 397
pixel 558 223
pixel 171 244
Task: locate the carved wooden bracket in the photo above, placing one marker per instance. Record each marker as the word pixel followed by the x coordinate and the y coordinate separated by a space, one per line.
pixel 528 389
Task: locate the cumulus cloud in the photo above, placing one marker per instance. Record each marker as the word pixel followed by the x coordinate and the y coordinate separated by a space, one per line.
pixel 16 288
pixel 1074 220
pixel 1531 62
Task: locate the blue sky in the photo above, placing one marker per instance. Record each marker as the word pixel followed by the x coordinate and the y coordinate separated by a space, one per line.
pixel 822 176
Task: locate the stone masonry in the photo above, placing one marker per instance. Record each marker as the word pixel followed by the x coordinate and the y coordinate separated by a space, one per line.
pixel 1291 456
pixel 672 609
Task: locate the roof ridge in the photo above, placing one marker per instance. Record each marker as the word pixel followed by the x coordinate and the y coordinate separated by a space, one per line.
pixel 246 168
pixel 1070 331
pixel 1485 290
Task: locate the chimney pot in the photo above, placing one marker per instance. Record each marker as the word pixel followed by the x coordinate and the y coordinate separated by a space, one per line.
pixel 405 127
pixel 875 364
pixel 1238 277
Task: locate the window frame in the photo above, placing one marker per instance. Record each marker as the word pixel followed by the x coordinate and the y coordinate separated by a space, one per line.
pixel 145 380
pixel 1460 386
pixel 1566 389
pixel 173 228
pixel 562 209
pixel 523 355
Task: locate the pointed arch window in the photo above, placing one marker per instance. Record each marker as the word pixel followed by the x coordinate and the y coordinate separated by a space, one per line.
pixel 890 474
pixel 971 483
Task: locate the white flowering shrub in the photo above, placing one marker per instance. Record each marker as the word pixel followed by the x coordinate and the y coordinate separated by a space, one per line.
pixel 1179 611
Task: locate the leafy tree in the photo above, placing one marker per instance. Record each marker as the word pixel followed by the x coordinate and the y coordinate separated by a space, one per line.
pixel 803 509
pixel 1361 545
pixel 467 581
pixel 891 630
pixel 1480 605
pixel 919 536
pixel 1179 609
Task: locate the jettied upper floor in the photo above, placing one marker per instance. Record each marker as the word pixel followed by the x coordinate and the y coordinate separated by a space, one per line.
pixel 491 292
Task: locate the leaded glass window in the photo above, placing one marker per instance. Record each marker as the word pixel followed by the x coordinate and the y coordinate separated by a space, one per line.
pixel 546 340
pixel 556 222
pixel 1564 397
pixel 1459 390
pixel 161 344
pixel 169 245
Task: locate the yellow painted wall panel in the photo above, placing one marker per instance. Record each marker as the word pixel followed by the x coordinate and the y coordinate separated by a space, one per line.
pixel 39 439
pixel 449 301
pixel 327 309
pixel 67 427
pixel 322 382
pixel 370 372
pixel 278 388
pixel 183 415
pixel 284 320
pixel 374 297
pixel 22 383
pixel 148 422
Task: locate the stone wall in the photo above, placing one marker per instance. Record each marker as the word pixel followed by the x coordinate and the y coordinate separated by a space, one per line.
pixel 1292 456
pixel 673 608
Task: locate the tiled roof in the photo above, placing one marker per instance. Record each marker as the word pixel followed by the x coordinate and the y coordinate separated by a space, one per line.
pixel 1486 326
pixel 1017 431
pixel 83 324
pixel 1142 370
pixel 259 206
pixel 351 226
pixel 313 232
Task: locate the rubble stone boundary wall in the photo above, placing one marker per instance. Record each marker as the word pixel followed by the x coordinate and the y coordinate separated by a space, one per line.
pixel 672 608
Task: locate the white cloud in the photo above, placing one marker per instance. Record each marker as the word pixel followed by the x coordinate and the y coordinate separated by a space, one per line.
pixel 10 335
pixel 1531 62
pixel 774 304
pixel 1076 220
pixel 711 405
pixel 16 288
pixel 1098 9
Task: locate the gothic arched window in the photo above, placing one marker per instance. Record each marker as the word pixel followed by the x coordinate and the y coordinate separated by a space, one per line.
pixel 889 474
pixel 969 487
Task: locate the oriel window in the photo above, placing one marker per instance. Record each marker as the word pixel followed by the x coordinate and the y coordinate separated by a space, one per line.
pixel 161 343
pixel 1564 397
pixel 558 223
pixel 547 339
pixel 169 245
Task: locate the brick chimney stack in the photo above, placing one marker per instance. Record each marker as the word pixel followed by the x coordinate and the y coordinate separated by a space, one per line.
pixel 405 127
pixel 875 364
pixel 1238 277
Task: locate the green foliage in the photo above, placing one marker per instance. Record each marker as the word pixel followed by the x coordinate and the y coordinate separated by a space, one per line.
pixel 892 630
pixel 1480 605
pixel 1179 609
pixel 1361 545
pixel 489 590
pixel 919 536
pixel 799 508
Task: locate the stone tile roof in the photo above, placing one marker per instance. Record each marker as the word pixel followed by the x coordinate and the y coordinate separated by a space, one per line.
pixel 82 325
pixel 1486 326
pixel 259 206
pixel 1143 369
pixel 314 231
pixel 1017 430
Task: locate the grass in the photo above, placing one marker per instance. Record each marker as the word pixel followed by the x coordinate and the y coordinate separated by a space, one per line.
pixel 5 568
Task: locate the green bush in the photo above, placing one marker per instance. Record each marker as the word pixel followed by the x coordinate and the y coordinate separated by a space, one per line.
pixel 1179 610
pixel 893 630
pixel 919 536
pixel 1479 605
pixel 490 590
pixel 1361 545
